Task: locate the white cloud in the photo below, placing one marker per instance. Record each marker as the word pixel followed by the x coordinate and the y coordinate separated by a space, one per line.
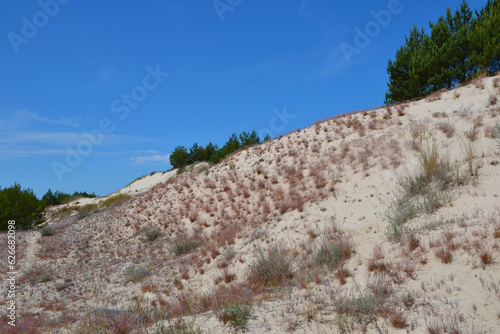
pixel 65 138
pixel 152 159
pixel 26 116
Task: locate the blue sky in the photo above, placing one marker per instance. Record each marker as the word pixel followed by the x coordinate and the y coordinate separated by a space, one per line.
pixel 97 93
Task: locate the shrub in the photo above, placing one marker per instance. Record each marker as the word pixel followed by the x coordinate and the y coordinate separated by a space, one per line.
pixel 447 128
pixel 66 284
pixel 424 191
pixel 116 199
pixel 362 308
pixel 178 327
pixel 47 231
pixel 496 132
pixel 271 268
pixel 152 233
pixel 333 252
pixel 181 170
pixel 87 210
pixel 37 275
pixel 184 243
pixel 236 315
pixel 135 274
pixel 429 157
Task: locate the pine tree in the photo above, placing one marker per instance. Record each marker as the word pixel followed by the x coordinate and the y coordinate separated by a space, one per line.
pixel 404 83
pixel 459 47
pixel 179 157
pixel 485 39
pixel 22 206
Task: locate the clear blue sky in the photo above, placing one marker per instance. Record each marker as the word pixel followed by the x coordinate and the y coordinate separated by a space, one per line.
pixel 71 67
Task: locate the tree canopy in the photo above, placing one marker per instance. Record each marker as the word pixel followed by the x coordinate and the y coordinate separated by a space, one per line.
pixel 22 206
pixel 459 47
pixel 181 156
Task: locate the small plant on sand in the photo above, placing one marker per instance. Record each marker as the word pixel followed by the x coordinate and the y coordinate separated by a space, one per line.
pixel 363 309
pixel 152 233
pixel 37 275
pixel 333 251
pixel 135 274
pixel 408 300
pixel 236 315
pixel 496 132
pixel 87 210
pixel 272 267
pixel 115 199
pixel 184 243
pixel 178 326
pixel 64 285
pixel 47 231
pixel 423 191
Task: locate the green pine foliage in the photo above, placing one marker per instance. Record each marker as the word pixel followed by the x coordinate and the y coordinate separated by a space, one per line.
pixel 459 47
pixel 56 198
pixel 181 156
pixel 22 206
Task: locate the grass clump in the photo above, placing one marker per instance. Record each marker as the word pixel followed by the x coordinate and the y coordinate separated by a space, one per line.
pixel 178 327
pixel 64 285
pixel 87 210
pixel 47 231
pixel 424 191
pixel 116 199
pixel 181 170
pixel 333 251
pixel 272 268
pixel 62 213
pixel 135 274
pixel 184 243
pixel 152 233
pixel 496 132
pixel 236 315
pixel 38 275
pixel 363 309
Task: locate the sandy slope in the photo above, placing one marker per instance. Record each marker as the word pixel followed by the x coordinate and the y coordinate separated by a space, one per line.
pixel 291 192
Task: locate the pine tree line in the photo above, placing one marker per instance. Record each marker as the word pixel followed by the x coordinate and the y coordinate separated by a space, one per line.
pixel 22 205
pixel 181 157
pixel 459 47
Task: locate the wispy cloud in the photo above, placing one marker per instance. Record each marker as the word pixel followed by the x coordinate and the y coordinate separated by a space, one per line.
pixel 65 138
pixel 151 159
pixel 10 154
pixel 26 116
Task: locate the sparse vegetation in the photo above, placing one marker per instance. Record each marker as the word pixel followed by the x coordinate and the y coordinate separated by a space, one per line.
pixel 184 243
pixel 178 326
pixel 47 231
pixel 37 275
pixel 152 233
pixel 423 191
pixel 87 210
pixel 272 267
pixel 135 273
pixel 236 315
pixel 115 199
